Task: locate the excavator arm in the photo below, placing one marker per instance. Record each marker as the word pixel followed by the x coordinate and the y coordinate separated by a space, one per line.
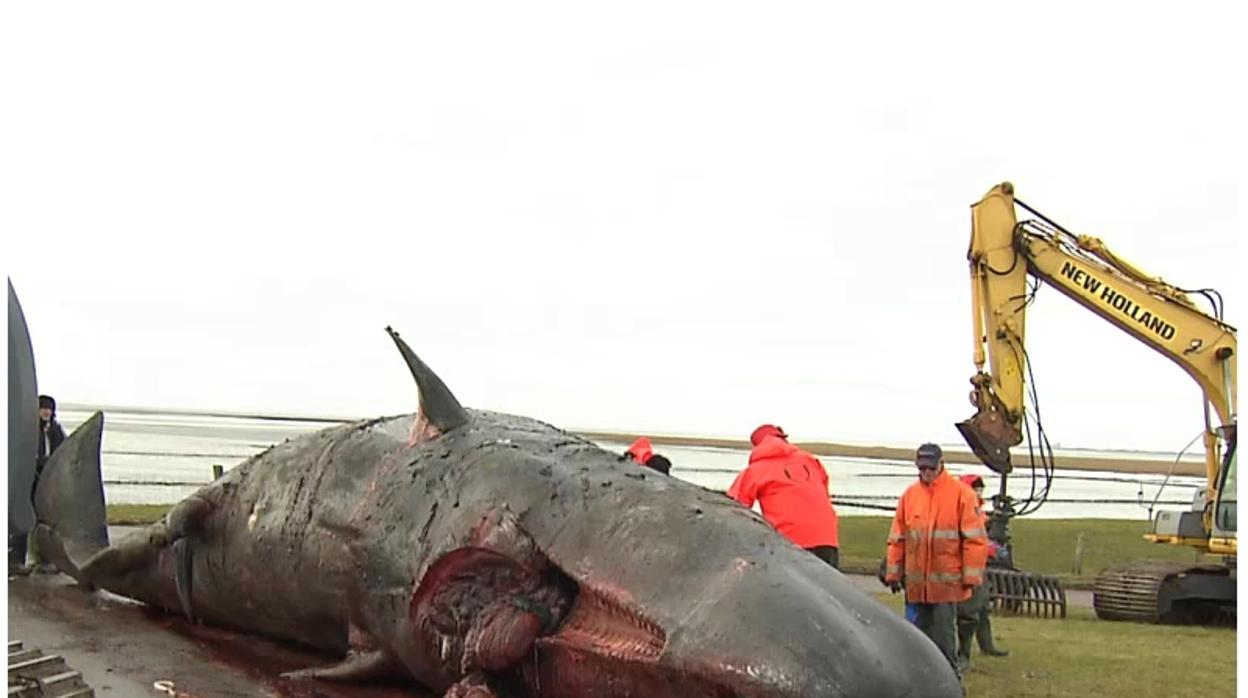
pixel 1004 253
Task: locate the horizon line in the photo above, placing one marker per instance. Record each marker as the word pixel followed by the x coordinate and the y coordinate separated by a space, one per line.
pixel 604 433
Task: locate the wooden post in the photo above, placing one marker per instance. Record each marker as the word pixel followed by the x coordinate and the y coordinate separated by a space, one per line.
pixel 1078 566
pixel 217 471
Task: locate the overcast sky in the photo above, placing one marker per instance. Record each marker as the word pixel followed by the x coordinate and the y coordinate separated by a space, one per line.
pixel 659 216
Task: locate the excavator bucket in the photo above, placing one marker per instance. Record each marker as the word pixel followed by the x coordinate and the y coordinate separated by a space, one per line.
pixel 990 439
pixel 1018 593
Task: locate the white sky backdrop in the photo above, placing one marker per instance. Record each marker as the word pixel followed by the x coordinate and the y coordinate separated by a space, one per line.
pixel 656 216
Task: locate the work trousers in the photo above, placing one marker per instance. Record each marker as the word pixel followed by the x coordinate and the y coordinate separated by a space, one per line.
pixel 17 548
pixel 827 553
pixel 973 622
pixel 23 545
pixel 939 622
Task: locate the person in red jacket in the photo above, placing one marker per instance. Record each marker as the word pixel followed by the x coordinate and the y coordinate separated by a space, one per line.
pixel 937 549
pixel 640 450
pixel 791 486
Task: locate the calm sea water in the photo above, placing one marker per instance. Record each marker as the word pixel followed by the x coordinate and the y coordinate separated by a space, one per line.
pixel 159 458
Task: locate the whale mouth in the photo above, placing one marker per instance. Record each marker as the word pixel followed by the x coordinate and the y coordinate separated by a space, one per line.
pixel 534 630
pixel 602 625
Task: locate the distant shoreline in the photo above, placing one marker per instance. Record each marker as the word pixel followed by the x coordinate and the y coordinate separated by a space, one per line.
pixel 1139 466
pixel 1136 466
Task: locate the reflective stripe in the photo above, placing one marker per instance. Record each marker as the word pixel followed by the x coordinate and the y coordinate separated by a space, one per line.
pixel 938 533
pixel 973 572
pixel 974 533
pixel 894 538
pixel 915 575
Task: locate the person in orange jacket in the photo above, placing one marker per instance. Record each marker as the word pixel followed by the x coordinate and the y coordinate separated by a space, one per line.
pixel 791 486
pixel 939 547
pixel 973 615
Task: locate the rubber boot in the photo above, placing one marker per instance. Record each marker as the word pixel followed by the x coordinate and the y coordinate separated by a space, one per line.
pixel 966 636
pixel 38 563
pixel 983 633
pixel 17 554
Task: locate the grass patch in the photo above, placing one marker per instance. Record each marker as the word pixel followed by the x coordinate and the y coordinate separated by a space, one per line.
pixel 135 514
pixel 1083 656
pixel 1045 546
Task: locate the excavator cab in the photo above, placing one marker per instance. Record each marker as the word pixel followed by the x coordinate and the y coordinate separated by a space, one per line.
pixel 1168 592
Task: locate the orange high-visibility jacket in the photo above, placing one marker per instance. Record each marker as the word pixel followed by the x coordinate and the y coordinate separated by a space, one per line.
pixel 938 544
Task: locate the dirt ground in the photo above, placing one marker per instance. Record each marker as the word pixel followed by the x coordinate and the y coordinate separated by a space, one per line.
pixel 122 648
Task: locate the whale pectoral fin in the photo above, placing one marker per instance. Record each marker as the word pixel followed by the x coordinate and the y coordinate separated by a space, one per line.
pixel 182 574
pixel 133 552
pixel 182 524
pixel 187 516
pixel 358 666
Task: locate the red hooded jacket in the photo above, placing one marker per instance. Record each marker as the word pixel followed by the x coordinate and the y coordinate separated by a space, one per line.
pixel 791 486
pixel 641 450
pixel 969 479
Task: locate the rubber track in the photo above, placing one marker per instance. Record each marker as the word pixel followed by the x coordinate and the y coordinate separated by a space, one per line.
pixel 1130 592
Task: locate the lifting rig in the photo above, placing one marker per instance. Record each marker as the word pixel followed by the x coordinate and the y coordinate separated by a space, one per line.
pixel 1003 254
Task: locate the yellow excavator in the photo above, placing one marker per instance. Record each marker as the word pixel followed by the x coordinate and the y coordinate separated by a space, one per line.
pixel 1008 261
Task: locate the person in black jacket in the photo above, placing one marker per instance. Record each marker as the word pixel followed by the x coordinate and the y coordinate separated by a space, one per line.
pixel 660 463
pixel 51 435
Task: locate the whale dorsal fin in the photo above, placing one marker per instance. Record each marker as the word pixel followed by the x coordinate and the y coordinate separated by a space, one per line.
pixel 438 405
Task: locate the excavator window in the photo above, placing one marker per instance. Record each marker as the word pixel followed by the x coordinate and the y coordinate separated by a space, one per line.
pixel 1227 497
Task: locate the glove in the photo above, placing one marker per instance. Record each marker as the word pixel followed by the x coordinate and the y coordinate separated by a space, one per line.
pixel 894 587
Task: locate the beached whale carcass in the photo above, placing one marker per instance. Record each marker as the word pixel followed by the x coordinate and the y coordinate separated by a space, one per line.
pixel 483 554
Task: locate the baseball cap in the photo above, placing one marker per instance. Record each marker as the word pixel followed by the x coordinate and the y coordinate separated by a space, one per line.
pixel 928 454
